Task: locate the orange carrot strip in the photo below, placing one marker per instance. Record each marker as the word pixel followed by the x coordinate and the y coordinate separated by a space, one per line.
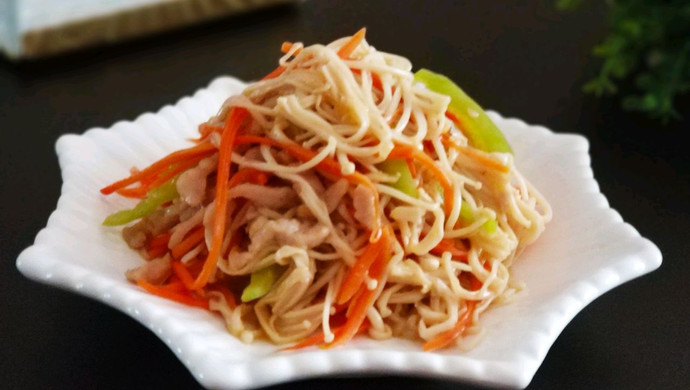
pixel 160 240
pixel 447 337
pixel 185 276
pixel 359 305
pixel 351 306
pixel 318 338
pixel 286 46
pixel 154 253
pixel 276 72
pixel 404 151
pixel 247 175
pixel 481 157
pixel 168 293
pixel 449 245
pixel 453 118
pixel 192 240
pixel 174 284
pixel 227 143
pixel 176 170
pixel 352 43
pixel 355 277
pixel 160 165
pixel 136 193
pixel 379 267
pixel 396 114
pixel 194 266
pixel 315 339
pixel 356 316
pixel 376 81
pixel 155 181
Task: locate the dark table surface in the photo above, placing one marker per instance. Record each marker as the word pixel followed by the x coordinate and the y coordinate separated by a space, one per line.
pixel 520 58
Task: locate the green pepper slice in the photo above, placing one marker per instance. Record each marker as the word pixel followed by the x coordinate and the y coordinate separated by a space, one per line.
pixel 480 130
pixel 405 182
pixel 154 198
pixel 261 281
pixel 467 217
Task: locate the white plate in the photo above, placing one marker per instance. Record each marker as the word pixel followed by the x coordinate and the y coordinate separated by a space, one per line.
pixel 586 250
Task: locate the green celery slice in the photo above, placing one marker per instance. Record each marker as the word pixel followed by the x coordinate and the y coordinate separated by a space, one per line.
pixel 154 198
pixel 405 182
pixel 480 130
pixel 261 281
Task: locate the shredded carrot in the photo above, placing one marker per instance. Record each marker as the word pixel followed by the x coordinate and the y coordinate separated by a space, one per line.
pixel 315 339
pixel 318 338
pixel 227 143
pixel 356 316
pixel 154 253
pixel 450 245
pixel 185 276
pixel 360 304
pixel 194 266
pixel 174 284
pixel 160 166
pixel 404 151
pixel 189 242
pixel 376 81
pixel 135 193
pixel 355 277
pixel 379 267
pixel 444 339
pixel 160 240
pixel 173 295
pixel 396 115
pixel 248 175
pixel 454 119
pixel 158 246
pixel 176 170
pixel 481 157
pixel 286 46
pixel 447 337
pixel 276 72
pixel 350 46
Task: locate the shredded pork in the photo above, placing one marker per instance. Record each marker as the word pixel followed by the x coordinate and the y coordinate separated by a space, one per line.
pixel 363 202
pixel 155 271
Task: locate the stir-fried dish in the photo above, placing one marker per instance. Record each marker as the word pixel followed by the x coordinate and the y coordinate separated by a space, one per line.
pixel 342 194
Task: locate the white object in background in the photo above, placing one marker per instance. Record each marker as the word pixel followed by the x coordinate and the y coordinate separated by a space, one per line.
pixel 586 250
pixel 34 28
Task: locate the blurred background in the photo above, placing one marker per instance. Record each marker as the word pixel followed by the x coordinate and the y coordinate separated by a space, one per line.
pixel 526 59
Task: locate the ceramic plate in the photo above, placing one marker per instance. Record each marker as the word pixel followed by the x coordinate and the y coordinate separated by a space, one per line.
pixel 586 250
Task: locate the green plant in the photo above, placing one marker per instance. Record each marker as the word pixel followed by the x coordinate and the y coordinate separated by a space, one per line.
pixel 648 43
